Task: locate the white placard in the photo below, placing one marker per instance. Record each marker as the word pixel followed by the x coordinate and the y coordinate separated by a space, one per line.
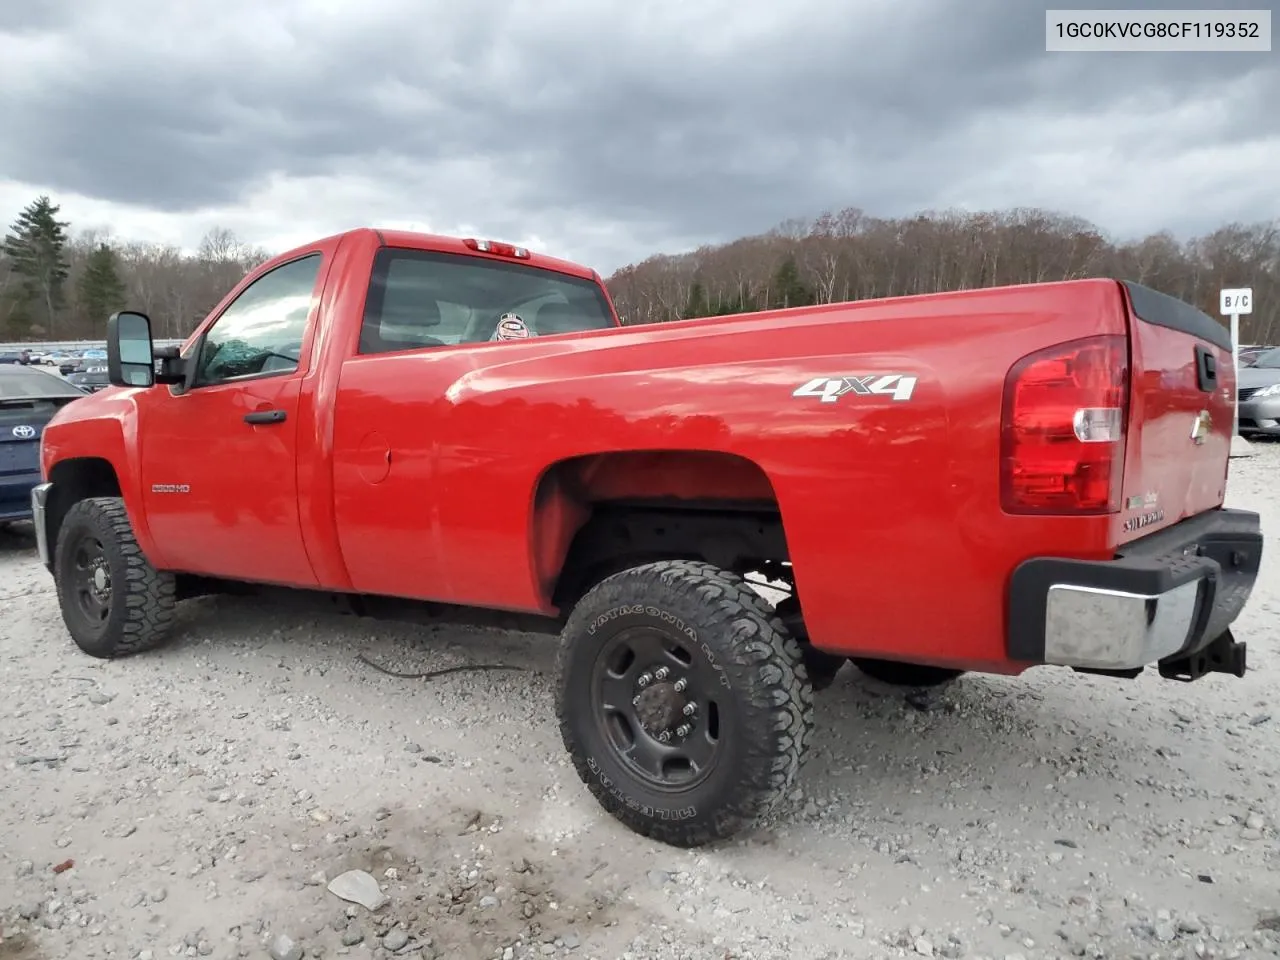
pixel 1238 31
pixel 1238 300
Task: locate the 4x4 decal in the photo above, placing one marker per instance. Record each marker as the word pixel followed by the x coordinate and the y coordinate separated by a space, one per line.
pixel 899 386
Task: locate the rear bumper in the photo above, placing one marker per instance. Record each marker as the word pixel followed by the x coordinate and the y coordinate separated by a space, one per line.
pixel 1165 599
pixel 39 498
pixel 1260 416
pixel 15 496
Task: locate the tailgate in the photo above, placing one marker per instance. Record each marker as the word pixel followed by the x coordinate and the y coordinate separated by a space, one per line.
pixel 1180 420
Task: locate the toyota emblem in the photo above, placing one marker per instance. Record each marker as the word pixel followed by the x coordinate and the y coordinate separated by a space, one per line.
pixel 24 432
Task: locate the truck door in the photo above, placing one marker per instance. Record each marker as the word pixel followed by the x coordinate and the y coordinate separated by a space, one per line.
pixel 430 496
pixel 219 459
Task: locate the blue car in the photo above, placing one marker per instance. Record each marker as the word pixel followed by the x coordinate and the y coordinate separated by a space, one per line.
pixel 29 397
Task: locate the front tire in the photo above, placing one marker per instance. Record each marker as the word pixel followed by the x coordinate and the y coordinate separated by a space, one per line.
pixel 683 702
pixel 113 601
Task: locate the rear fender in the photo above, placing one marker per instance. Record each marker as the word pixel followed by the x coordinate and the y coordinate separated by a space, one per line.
pixel 695 482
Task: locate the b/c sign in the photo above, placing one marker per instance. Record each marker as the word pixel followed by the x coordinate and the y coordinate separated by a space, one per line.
pixel 1238 301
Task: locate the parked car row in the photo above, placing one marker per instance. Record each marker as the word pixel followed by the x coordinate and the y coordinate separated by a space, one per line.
pixel 89 373
pixel 1259 394
pixel 31 392
pixel 29 397
pixel 1250 352
pixel 85 368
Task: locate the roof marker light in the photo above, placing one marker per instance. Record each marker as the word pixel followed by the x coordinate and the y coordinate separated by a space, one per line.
pixel 498 249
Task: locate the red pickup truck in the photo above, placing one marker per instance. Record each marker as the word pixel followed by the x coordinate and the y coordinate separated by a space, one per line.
pixel 461 429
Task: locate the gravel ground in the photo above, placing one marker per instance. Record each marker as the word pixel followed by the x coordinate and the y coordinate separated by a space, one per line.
pixel 204 795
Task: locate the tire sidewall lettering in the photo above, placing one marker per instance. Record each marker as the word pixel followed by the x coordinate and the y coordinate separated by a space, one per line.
pixel 644 809
pixel 670 619
pixel 647 610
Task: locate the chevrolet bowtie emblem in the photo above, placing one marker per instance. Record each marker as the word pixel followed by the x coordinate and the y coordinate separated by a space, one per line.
pixel 1200 429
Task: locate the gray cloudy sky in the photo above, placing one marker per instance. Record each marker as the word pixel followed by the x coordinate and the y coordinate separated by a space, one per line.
pixel 606 130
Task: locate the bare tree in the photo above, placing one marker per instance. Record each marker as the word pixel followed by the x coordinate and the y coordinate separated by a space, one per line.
pixel 839 255
pixel 847 255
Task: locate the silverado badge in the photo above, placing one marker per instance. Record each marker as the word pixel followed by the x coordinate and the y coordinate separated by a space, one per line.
pixel 1200 429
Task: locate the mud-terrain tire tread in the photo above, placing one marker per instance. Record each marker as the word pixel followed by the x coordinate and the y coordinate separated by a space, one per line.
pixel 905 674
pixel 148 594
pixel 823 667
pixel 772 690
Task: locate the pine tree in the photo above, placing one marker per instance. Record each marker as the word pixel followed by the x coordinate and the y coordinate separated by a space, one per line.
pixel 36 247
pixel 101 291
pixel 788 289
pixel 696 305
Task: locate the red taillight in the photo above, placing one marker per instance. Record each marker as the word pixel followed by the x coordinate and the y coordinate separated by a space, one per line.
pixel 1063 428
pixel 498 249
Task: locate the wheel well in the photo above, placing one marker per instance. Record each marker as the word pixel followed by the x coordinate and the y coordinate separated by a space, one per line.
pixel 619 536
pixel 75 480
pixel 597 515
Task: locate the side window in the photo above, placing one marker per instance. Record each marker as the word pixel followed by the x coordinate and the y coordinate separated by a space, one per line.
pixel 405 310
pixel 261 331
pixel 421 299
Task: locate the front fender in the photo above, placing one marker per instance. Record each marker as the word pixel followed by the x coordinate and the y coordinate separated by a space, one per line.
pixel 99 429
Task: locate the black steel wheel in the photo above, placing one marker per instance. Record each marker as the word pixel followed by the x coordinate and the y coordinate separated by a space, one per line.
pixel 658 706
pixel 89 578
pixel 683 702
pixel 113 601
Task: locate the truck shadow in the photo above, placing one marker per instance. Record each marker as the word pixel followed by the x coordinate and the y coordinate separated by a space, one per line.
pixel 17 538
pixel 878 753
pixel 989 781
pixel 17 946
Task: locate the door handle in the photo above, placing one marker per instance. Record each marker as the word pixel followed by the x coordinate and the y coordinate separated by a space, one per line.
pixel 265 416
pixel 1206 369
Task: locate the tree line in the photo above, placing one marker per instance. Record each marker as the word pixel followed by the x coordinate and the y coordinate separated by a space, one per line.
pixel 850 255
pixel 55 285
pixel 59 286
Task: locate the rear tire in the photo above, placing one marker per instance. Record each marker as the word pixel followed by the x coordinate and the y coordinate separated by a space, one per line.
pixel 823 667
pixel 905 674
pixel 683 702
pixel 113 601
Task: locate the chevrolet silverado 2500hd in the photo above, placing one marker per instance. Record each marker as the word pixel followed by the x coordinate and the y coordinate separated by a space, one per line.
pixel 422 426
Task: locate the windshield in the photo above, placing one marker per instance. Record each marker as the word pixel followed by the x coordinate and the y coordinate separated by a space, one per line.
pixel 418 299
pixel 23 383
pixel 1270 358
